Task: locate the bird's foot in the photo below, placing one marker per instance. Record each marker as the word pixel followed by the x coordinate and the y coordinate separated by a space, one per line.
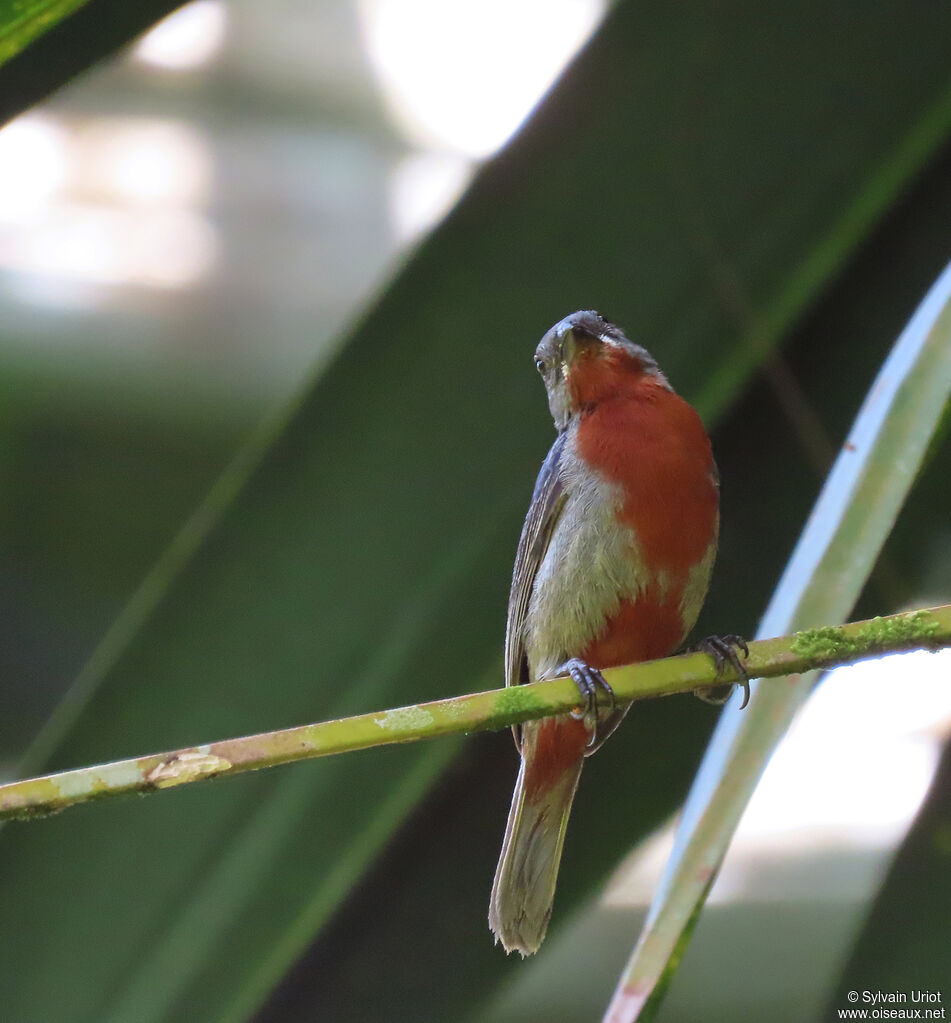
pixel 590 682
pixel 725 651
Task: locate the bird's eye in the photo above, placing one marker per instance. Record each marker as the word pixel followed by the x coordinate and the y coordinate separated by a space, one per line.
pixel 540 365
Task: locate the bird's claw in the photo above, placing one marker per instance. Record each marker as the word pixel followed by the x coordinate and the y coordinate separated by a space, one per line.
pixel 725 651
pixel 589 680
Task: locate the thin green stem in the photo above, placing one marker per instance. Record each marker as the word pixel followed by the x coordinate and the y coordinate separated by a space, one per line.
pixel 816 648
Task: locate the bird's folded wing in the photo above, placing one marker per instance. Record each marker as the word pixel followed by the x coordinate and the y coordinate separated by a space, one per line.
pixel 547 503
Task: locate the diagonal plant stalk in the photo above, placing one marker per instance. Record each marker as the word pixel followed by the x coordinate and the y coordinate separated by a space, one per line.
pixel 33 18
pixel 837 550
pixel 498 708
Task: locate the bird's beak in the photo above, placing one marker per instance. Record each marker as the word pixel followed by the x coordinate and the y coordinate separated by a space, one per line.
pixel 571 342
pixel 569 347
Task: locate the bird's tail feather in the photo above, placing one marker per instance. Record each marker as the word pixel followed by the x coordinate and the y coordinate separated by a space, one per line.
pixel 524 886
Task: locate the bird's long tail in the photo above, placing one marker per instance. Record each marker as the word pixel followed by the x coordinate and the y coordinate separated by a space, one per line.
pixel 524 887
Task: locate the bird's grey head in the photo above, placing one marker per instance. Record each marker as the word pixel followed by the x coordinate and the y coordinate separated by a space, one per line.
pixel 588 332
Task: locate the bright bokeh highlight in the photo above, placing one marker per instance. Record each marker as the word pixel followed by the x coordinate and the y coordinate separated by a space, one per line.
pixel 464 75
pixel 459 79
pixel 849 776
pixel 187 39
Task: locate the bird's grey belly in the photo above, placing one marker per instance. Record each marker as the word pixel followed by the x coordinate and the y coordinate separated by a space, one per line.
pixel 591 565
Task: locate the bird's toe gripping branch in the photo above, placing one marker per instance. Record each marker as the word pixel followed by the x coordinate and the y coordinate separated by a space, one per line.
pixel 590 681
pixel 725 651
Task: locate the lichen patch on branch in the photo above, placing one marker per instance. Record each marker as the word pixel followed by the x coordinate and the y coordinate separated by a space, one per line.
pixel 186 767
pixel 405 717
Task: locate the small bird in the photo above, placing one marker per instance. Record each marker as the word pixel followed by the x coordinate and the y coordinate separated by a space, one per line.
pixel 612 567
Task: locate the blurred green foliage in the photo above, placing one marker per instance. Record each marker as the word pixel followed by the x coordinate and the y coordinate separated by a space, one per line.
pixel 903 946
pixel 45 43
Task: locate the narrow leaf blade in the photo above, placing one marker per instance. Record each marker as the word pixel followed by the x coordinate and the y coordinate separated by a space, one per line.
pixel 850 522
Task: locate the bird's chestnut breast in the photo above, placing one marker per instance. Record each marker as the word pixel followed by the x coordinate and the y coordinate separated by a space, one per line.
pixel 650 443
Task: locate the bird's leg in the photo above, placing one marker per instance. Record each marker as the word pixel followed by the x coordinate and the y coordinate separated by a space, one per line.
pixel 589 680
pixel 725 651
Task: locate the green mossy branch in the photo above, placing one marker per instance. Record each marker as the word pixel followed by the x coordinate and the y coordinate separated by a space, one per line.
pixel 815 648
pixel 877 634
